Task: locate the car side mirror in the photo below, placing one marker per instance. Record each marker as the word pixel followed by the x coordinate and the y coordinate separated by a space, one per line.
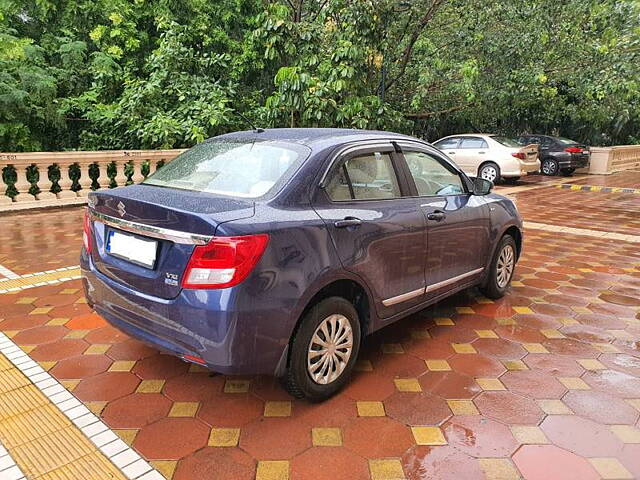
pixel 481 186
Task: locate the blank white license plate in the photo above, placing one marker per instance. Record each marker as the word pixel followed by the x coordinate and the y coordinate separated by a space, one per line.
pixel 133 249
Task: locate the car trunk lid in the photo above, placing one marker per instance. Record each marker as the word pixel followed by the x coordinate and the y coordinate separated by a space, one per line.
pixel 529 153
pixel 143 235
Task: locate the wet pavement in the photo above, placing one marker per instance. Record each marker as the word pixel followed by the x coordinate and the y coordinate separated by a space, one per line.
pixel 542 384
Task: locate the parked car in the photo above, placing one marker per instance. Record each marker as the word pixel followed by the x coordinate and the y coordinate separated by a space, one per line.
pixel 558 154
pixel 491 157
pixel 275 252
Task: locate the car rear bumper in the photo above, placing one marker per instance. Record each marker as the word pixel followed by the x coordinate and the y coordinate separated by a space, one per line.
pixel 521 169
pixel 200 323
pixel 574 162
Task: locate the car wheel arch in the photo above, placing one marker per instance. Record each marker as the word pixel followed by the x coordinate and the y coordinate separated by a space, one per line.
pixel 349 288
pixel 512 230
pixel 515 232
pixel 486 162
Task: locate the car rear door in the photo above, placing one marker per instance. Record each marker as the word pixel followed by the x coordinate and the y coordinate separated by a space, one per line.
pixel 472 152
pixel 458 222
pixel 378 232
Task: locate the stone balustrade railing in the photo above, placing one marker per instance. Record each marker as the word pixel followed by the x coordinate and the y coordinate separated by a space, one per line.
pixel 605 160
pixel 44 179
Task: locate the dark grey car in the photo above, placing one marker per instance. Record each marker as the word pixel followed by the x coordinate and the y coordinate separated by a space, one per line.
pixel 558 154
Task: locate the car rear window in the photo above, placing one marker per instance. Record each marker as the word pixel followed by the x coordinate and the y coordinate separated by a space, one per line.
pixel 567 141
pixel 507 142
pixel 241 169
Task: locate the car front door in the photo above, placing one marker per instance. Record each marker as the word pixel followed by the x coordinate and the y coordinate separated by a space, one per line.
pixel 450 146
pixel 458 222
pixel 378 232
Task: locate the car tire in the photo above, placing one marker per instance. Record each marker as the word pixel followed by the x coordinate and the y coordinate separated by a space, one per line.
pixel 489 171
pixel 567 171
pixel 498 279
pixel 549 167
pixel 332 316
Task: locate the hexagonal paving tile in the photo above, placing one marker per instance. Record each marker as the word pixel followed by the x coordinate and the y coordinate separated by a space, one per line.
pixel 480 437
pixel 358 435
pixel 581 436
pixel 136 410
pixel 417 408
pixel 548 462
pixel 509 408
pixel 166 439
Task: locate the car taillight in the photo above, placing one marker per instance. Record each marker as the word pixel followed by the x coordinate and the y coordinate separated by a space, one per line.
pixel 86 231
pixel 224 261
pixel 520 155
pixel 573 150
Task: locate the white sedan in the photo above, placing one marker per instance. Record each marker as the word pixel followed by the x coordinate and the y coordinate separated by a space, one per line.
pixel 491 157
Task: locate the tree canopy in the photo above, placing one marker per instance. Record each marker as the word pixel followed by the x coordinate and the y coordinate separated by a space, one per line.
pixel 111 74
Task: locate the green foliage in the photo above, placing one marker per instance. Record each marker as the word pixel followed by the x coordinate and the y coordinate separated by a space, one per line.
pixel 123 74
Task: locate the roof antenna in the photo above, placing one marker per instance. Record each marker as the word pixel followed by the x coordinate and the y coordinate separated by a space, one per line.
pixel 253 127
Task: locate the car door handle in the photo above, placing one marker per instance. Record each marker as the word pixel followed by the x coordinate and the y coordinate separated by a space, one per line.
pixel 348 222
pixel 452 153
pixel 481 153
pixel 437 216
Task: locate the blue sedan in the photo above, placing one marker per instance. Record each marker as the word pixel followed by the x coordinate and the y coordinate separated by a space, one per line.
pixel 276 251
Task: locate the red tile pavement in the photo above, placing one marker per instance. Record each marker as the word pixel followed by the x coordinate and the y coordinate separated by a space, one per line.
pixel 608 212
pixel 553 370
pixel 548 462
pixel 627 179
pixel 38 241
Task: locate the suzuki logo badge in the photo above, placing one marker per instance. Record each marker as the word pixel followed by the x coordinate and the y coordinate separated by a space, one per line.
pixel 121 209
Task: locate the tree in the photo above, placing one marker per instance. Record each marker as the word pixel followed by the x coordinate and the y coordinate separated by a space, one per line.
pixel 169 73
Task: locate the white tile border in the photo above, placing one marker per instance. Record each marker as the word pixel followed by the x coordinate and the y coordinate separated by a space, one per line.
pixel 582 231
pixel 39 284
pixel 8 273
pixel 8 468
pixel 132 465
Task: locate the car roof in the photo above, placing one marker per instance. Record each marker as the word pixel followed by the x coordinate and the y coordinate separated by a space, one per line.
pixel 311 137
pixel 483 135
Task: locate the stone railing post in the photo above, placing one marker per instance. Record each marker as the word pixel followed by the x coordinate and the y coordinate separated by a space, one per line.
pixel 22 184
pixel 137 176
pixel 121 177
pixel 85 179
pixel 65 182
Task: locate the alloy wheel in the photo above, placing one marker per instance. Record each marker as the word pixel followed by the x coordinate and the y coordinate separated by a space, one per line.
pixel 505 265
pixel 549 167
pixel 489 173
pixel 330 349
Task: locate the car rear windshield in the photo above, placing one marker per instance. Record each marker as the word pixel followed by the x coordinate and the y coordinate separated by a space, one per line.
pixel 246 169
pixel 507 142
pixel 567 141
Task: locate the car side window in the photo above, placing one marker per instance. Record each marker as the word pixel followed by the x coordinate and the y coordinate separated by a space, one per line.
pixel 473 142
pixel 365 177
pixel 447 143
pixel 431 176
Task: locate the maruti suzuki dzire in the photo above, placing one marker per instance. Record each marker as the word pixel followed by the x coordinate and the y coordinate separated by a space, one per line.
pixel 277 251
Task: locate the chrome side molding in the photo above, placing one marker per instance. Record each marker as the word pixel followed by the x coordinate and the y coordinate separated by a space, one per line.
pixel 449 281
pixel 403 298
pixel 436 286
pixel 175 236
